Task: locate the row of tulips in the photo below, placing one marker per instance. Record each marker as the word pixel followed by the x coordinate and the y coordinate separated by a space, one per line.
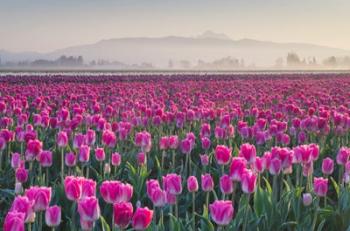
pixel 225 153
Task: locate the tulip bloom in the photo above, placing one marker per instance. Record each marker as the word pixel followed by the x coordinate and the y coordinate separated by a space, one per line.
pixel 62 139
pixel 173 142
pixel 34 147
pixel 40 196
pixel 221 212
pixel 207 183
pixel 73 187
pixel 14 221
pixel 89 209
pixel 307 199
pixel 248 152
pixel 142 218
pixel 70 159
pixel 343 155
pixel 192 184
pixel 320 186
pixel 204 160
pixel 172 183
pixel 226 184
pixel 45 158
pixel 53 216
pixel 141 158
pixel 327 166
pixel 122 213
pixel 84 153
pixel 116 159
pixel 100 154
pixel 222 154
pixel 108 138
pixel 238 164
pixel 248 181
pixel 115 192
pixel 21 175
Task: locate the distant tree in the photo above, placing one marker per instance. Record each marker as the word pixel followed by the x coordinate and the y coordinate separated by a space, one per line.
pixel 331 61
pixel 293 59
pixel 170 64
pixel 279 62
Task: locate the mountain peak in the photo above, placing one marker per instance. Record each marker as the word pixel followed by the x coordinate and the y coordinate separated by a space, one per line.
pixel 213 35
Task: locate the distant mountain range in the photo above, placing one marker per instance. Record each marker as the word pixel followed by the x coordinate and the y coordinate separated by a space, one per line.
pixel 159 50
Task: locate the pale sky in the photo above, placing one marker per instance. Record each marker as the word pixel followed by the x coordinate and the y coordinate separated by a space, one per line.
pixel 46 25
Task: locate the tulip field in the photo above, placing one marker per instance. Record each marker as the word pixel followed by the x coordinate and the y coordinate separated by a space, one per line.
pixel 268 151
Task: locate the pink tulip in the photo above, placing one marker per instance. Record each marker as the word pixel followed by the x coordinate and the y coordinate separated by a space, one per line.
pixel 207 183
pixel 248 152
pixel 62 139
pixel 248 182
pixel 164 143
pixel 14 221
pixel 23 205
pixel 116 159
pixel 15 160
pixel 204 160
pixel 343 155
pixel 40 196
pixel 45 158
pixel 221 212
pixel 141 158
pixel 21 175
pixel 327 166
pixel 53 216
pixel 173 142
pixel 142 218
pixel 275 166
pixel 108 138
pixel 84 153
pixel 238 165
pixel 172 184
pixel 226 184
pixel 70 159
pixel 73 187
pixel 222 154
pixel 307 199
pixel 79 140
pixel 192 184
pixel 320 186
pixel 115 192
pixel 100 154
pixel 122 213
pixel 205 143
pixel 89 209
pixel 186 146
pixel 259 165
pixel 86 225
pixel 34 147
pixel 88 188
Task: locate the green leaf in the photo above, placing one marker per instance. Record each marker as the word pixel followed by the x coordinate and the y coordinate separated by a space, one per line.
pixel 104 225
pixel 320 226
pixel 336 186
pixel 268 186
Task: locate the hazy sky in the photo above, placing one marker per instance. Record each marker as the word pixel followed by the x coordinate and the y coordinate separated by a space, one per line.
pixel 45 25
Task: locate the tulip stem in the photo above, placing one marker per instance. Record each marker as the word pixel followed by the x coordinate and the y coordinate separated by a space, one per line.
pixel 174 160
pixel 246 214
pixel 274 188
pixel 29 227
pixel 193 210
pixel 0 161
pixel 62 165
pixel 176 208
pixel 315 215
pixel 207 200
pixel 47 176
